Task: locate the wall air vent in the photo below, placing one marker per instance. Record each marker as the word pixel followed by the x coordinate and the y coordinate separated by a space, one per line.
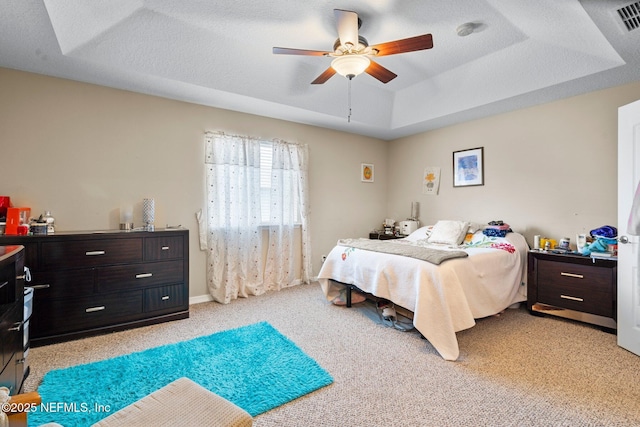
pixel 630 15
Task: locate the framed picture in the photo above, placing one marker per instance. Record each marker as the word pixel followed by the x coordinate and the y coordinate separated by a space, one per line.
pixel 468 167
pixel 431 181
pixel 366 172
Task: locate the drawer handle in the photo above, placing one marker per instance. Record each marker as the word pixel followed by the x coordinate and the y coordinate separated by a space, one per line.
pixel 45 286
pixel 16 327
pixel 577 276
pixel 93 309
pixel 21 277
pixel 165 298
pixel 143 275
pixel 4 284
pixel 165 248
pixel 93 253
pixel 571 298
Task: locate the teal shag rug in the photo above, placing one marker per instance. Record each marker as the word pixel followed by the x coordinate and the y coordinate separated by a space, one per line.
pixel 255 367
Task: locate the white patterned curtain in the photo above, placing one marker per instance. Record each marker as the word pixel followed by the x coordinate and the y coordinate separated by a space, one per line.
pixel 235 221
pixel 234 265
pixel 288 208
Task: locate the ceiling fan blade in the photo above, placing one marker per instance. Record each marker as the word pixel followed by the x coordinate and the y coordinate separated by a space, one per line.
pixel 288 51
pixel 326 75
pixel 379 72
pixel 411 44
pixel 347 26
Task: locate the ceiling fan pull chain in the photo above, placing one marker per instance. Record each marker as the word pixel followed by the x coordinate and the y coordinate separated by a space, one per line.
pixel 349 101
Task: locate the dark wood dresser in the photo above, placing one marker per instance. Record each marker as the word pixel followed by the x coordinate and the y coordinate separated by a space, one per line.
pixel 573 286
pixel 92 282
pixel 12 371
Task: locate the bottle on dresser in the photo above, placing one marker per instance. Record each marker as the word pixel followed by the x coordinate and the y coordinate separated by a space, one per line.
pixel 50 221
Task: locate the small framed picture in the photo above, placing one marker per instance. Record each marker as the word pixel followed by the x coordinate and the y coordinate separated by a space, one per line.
pixel 431 180
pixel 468 167
pixel 366 172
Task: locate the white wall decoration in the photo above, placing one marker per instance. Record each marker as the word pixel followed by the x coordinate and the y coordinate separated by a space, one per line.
pixel 431 181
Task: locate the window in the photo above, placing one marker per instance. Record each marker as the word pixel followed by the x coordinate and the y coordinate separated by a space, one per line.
pixel 267 185
pixel 253 185
pixel 266 159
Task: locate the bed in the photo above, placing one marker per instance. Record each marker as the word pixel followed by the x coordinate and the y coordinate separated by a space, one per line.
pixel 474 274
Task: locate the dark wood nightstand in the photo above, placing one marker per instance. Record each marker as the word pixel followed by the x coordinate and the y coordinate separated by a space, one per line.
pixel 573 286
pixel 382 236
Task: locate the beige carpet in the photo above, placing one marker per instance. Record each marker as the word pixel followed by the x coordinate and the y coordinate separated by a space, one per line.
pixel 514 370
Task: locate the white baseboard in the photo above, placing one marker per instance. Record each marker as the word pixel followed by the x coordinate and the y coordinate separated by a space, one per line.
pixel 200 298
pixel 207 298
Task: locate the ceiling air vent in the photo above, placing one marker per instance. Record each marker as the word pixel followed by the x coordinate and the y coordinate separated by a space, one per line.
pixel 630 15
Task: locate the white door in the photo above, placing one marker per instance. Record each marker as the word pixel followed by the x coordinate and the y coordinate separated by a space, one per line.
pixel 628 254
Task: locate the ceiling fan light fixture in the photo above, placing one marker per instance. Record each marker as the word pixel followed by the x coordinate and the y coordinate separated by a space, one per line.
pixel 350 65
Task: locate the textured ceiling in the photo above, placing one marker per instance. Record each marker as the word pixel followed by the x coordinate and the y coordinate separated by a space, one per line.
pixel 219 53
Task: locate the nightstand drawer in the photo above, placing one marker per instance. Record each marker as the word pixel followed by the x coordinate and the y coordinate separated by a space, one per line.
pixel 579 298
pixel 556 274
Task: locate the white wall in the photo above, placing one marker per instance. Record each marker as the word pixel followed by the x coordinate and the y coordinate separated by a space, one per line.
pixel 81 151
pixel 549 169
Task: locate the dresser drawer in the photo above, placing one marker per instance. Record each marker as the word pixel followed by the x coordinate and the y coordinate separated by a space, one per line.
pixel 90 253
pixel 62 283
pixel 163 248
pixel 10 337
pixel 163 298
pixel 73 314
pixel 141 275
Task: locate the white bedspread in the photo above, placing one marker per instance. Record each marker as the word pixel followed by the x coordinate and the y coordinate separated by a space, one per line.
pixel 444 298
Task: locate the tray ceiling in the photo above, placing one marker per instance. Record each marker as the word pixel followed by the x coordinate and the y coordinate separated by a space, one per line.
pixel 520 54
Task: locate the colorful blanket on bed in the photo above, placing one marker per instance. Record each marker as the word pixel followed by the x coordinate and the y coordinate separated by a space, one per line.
pixel 432 255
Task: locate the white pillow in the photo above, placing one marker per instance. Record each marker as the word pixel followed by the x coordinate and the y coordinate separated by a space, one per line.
pixel 420 233
pixel 449 232
pixel 475 226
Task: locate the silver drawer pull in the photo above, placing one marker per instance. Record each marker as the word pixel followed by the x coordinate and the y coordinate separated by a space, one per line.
pixel 577 276
pixel 22 277
pixel 93 253
pixel 93 309
pixel 16 327
pixel 165 298
pixel 165 248
pixel 4 284
pixel 143 275
pixel 45 286
pixel 571 298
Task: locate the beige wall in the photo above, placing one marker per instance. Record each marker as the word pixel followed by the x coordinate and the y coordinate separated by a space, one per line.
pixel 549 169
pixel 81 151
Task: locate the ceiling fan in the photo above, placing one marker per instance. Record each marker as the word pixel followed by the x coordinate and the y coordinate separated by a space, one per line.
pixel 352 53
